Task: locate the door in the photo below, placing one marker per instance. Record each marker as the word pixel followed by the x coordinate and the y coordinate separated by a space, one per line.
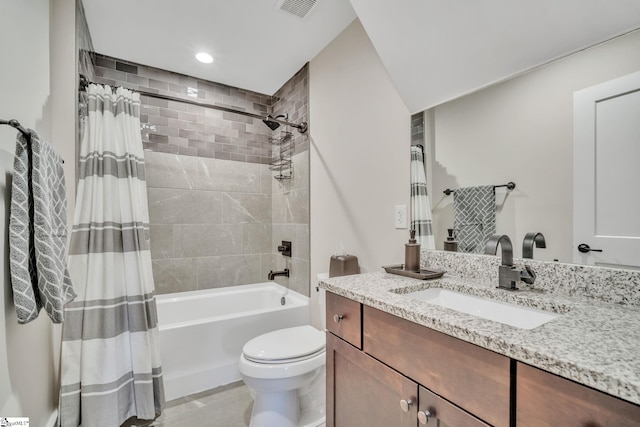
pixel 436 411
pixel 606 180
pixel 362 392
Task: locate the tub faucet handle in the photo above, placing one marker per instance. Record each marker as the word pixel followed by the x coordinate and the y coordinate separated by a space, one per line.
pixel 285 248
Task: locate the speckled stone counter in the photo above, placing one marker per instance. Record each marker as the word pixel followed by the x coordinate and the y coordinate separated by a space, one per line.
pixel 592 342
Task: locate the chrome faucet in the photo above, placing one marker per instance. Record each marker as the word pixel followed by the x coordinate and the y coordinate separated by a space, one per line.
pixel 272 274
pixel 529 240
pixel 508 275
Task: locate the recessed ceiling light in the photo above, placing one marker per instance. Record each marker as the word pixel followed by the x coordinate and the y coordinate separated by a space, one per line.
pixel 204 57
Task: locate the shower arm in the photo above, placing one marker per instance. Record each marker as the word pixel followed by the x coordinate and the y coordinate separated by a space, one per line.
pixel 302 127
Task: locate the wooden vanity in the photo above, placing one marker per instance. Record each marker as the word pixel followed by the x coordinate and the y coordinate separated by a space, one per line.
pixel 386 371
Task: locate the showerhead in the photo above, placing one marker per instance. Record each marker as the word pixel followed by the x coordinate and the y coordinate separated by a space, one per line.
pixel 274 125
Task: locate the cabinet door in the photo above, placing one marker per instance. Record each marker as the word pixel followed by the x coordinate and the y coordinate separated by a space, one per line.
pixel 435 411
pixel 544 399
pixel 476 379
pixel 362 392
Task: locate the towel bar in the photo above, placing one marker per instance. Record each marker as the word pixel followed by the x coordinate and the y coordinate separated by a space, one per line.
pixel 510 186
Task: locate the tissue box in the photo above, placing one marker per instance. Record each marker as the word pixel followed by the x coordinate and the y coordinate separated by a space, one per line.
pixel 343 265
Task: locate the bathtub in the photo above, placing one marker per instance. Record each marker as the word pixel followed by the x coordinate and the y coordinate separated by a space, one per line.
pixel 202 332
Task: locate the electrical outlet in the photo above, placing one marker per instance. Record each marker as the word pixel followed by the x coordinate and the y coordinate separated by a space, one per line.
pixel 400 216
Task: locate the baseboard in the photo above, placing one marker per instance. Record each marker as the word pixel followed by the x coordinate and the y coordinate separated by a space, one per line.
pixel 52 419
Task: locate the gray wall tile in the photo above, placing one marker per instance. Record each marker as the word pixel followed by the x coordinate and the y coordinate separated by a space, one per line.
pixel 174 275
pixel 204 240
pixel 228 176
pixel 161 241
pixel 178 206
pixel 256 238
pixel 238 208
pixel 163 171
pixel 140 77
pixel 218 272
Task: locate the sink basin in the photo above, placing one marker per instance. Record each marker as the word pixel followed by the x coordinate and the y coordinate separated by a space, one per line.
pixel 498 311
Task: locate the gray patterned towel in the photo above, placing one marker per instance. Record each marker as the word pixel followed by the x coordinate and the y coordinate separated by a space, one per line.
pixel 38 232
pixel 474 217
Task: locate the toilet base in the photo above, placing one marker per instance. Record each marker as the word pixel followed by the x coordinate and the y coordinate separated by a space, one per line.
pixel 275 409
pixel 282 409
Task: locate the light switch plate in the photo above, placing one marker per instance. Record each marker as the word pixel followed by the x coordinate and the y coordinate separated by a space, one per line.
pixel 400 216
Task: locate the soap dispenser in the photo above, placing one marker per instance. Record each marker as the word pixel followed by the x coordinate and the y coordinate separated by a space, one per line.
pixel 412 253
pixel 451 244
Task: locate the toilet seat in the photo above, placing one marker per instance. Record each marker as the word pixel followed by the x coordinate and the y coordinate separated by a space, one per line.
pixel 285 345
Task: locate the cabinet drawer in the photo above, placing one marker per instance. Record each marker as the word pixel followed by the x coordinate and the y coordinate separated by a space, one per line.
pixel 344 318
pixel 469 376
pixel 547 399
pixel 443 413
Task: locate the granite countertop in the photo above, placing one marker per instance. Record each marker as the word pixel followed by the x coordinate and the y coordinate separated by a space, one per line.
pixel 592 342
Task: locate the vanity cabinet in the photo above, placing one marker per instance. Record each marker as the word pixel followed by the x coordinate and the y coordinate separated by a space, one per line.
pixel 544 399
pixel 379 386
pixel 384 371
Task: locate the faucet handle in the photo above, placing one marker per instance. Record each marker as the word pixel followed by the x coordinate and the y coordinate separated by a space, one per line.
pixel 528 275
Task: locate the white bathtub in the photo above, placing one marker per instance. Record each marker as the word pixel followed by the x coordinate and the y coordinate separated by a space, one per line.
pixel 202 332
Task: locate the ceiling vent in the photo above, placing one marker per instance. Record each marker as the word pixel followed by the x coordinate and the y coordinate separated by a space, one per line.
pixel 299 8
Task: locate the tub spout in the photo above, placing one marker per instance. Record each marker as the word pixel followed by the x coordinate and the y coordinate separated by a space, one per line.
pixel 272 274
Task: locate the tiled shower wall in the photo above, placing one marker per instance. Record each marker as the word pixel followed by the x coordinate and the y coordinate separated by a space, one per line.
pixel 217 214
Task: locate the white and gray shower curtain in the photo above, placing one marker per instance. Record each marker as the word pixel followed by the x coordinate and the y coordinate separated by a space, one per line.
pixel 110 361
pixel 420 207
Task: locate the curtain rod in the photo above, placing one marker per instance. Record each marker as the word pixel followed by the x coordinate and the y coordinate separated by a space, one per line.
pixel 302 127
pixel 510 186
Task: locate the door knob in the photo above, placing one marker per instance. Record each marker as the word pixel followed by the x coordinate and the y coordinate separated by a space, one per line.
pixel 337 318
pixel 584 248
pixel 423 416
pixel 406 404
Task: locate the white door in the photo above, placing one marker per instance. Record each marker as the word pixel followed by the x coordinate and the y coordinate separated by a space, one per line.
pixel 606 174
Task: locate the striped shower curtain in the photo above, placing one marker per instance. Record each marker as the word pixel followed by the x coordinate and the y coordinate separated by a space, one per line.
pixel 110 360
pixel 420 208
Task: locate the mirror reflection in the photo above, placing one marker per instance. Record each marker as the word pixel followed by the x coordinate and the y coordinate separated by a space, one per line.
pixel 522 130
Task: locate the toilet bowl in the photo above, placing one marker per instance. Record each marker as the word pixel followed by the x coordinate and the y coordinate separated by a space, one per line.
pixel 285 370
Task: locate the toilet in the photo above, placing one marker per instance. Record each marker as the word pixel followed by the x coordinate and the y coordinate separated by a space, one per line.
pixel 285 370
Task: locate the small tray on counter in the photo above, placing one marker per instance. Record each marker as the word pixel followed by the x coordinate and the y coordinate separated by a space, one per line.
pixel 423 274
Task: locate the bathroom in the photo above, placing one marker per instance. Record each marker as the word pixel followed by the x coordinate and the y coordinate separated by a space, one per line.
pixel 369 126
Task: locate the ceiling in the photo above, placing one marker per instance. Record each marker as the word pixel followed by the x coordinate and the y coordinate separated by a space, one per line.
pixel 434 50
pixel 256 46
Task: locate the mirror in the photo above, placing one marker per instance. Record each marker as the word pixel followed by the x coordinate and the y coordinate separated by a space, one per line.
pixel 520 130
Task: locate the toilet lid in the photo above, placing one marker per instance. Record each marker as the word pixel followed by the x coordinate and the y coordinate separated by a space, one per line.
pixel 284 345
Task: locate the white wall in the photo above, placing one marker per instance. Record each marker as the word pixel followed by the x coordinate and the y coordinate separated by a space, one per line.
pixel 522 130
pixel 29 353
pixel 359 165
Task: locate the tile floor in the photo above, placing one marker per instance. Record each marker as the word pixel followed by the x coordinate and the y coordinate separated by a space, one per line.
pixel 226 406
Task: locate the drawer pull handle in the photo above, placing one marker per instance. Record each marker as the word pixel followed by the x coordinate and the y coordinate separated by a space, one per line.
pixel 337 318
pixel 406 405
pixel 423 416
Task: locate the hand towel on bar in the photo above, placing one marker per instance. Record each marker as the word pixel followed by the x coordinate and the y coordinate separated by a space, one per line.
pixel 38 232
pixel 474 217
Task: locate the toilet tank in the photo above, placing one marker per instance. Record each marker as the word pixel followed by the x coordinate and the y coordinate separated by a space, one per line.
pixel 318 304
